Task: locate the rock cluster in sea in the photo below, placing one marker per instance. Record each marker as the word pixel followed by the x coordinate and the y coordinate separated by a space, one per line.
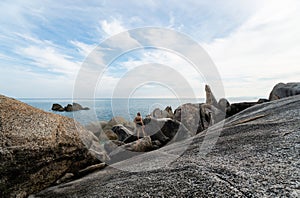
pixel 70 107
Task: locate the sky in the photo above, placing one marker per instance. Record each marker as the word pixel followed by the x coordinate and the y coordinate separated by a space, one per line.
pixel 45 45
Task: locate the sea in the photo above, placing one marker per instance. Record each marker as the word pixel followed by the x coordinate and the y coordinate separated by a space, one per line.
pixel 105 108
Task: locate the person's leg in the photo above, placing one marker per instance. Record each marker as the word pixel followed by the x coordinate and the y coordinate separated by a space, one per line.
pixel 138 132
pixel 144 134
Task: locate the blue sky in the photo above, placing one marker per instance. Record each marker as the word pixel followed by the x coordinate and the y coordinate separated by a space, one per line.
pixel 254 44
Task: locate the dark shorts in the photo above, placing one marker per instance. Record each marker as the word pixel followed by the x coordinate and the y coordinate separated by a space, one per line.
pixel 139 124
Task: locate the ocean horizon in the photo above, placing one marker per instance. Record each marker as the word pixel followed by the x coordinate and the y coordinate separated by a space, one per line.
pixel 106 108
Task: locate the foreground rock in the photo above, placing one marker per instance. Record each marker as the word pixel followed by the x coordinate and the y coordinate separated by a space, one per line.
pixel 129 150
pixel 256 155
pixel 37 148
pixel 282 90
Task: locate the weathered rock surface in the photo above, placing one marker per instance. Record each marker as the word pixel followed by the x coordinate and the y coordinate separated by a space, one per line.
pixel 165 130
pixel 223 104
pixel 282 90
pixel 256 155
pixel 119 121
pixel 37 148
pixel 210 98
pixel 162 130
pixel 122 132
pixel 167 113
pixel 128 150
pixel 198 117
pixel 110 135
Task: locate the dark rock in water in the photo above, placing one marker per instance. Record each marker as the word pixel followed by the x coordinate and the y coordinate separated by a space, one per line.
pixel 256 155
pixel 57 107
pixel 122 132
pixel 37 148
pixel 69 107
pixel 282 90
pixel 76 107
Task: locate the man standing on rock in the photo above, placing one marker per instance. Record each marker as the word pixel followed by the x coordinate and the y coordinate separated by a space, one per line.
pixel 138 120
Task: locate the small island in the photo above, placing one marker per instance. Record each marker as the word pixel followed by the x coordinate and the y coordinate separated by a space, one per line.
pixel 70 107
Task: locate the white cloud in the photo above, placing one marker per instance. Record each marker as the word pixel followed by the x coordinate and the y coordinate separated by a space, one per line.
pixel 112 27
pixel 49 58
pixel 169 62
pixel 262 52
pixel 83 48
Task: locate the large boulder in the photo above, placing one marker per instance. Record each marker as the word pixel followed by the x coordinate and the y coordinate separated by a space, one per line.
pixel 223 104
pixel 109 146
pixel 198 117
pixel 210 98
pixel 122 132
pixel 162 131
pixel 166 129
pixel 131 149
pixel 282 90
pixel 158 113
pixel 37 148
pixel 118 120
pixel 255 154
pixel 96 127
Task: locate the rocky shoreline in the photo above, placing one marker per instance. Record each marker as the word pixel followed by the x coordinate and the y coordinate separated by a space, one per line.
pixel 258 144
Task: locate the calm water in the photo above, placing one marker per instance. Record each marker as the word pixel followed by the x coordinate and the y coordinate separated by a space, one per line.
pixel 105 109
